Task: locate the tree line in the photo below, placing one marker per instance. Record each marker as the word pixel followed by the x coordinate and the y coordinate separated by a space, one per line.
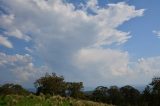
pixel 52 84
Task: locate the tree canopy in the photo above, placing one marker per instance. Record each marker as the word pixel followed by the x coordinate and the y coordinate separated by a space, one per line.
pixel 9 88
pixel 50 84
pixel 53 84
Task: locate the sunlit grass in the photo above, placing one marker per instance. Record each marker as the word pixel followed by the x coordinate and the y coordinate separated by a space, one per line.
pixel 32 100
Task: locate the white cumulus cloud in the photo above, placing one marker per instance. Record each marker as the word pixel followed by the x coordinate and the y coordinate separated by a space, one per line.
pixel 19 68
pixel 104 61
pixel 75 43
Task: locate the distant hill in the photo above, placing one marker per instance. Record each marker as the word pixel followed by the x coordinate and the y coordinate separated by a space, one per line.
pixel 32 90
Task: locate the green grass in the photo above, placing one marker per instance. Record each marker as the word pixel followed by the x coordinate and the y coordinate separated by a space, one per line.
pixel 32 100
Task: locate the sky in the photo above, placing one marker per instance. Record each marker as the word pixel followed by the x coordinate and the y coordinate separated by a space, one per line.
pixel 98 42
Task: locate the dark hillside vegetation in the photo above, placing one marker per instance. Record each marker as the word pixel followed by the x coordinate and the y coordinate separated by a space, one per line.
pixel 71 93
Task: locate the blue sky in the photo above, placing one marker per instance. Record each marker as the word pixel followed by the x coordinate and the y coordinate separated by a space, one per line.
pixel 144 43
pixel 99 42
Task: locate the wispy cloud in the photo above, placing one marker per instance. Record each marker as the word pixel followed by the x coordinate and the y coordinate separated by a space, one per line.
pixel 157 33
pixel 5 42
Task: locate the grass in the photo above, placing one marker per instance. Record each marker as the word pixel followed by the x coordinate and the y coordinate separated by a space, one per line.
pixel 32 100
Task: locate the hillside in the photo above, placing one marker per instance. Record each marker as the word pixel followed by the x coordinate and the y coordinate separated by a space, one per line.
pixel 32 100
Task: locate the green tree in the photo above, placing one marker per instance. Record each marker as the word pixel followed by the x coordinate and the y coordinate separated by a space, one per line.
pixel 51 84
pixel 146 96
pixel 115 96
pixel 155 91
pixel 130 94
pixel 9 88
pixel 100 94
pixel 155 85
pixel 74 89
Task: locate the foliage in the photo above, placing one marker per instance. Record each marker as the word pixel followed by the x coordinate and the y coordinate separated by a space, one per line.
pixel 128 95
pixel 42 100
pixel 115 96
pixel 74 89
pixel 55 85
pixel 12 89
pixel 124 96
pixel 100 94
pixel 50 84
pixel 151 94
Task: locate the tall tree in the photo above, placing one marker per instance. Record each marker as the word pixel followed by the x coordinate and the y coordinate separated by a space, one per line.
pixel 155 85
pixel 130 95
pixel 100 94
pixel 74 89
pixel 155 92
pixel 115 96
pixel 50 84
pixel 146 96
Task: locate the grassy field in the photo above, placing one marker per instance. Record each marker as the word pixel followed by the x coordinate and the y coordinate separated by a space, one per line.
pixel 32 100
